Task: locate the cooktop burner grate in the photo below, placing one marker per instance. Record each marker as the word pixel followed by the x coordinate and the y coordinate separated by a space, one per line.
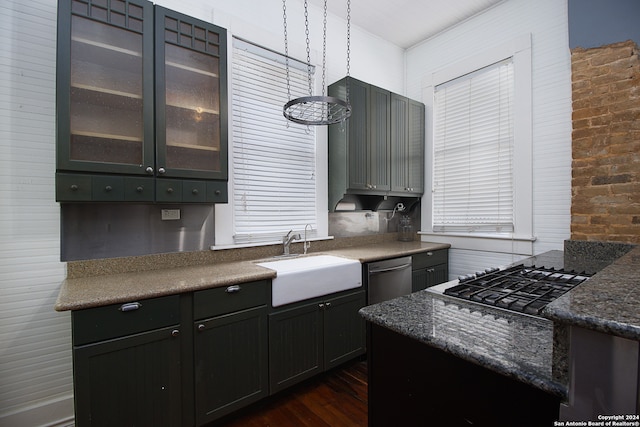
pixel 523 289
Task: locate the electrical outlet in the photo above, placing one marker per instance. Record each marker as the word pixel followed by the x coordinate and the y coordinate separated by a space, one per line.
pixel 170 214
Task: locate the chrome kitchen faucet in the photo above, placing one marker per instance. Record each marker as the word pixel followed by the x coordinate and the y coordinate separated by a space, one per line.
pixel 286 241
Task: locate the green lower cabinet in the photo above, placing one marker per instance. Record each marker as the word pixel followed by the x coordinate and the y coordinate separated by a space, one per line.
pixel 429 269
pixel 344 329
pixel 310 337
pixel 230 353
pixel 134 380
pixel 295 345
pixel 427 277
pixel 137 364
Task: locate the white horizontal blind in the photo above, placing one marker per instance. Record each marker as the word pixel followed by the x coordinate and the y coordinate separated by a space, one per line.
pixel 473 152
pixel 274 160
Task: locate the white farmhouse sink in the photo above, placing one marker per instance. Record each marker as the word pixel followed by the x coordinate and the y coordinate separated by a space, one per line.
pixel 307 277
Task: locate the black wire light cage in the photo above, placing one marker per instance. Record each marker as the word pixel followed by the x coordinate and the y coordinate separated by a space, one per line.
pixel 314 110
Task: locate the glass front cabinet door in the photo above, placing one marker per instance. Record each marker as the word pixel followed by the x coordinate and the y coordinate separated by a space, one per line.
pixel 141 108
pixel 189 136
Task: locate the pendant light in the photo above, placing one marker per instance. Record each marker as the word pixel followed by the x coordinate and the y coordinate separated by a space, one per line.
pixel 316 110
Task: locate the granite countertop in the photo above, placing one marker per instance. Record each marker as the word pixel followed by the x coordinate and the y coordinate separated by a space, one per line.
pixel 94 291
pixel 608 302
pixel 519 346
pixel 97 287
pixel 377 252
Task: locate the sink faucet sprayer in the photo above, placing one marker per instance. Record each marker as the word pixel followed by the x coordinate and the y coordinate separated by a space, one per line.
pixel 286 241
pixel 307 244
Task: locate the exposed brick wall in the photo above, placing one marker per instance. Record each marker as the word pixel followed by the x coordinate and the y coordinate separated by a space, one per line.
pixel 605 201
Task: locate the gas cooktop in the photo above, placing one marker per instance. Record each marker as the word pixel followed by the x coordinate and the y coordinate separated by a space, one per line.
pixel 519 288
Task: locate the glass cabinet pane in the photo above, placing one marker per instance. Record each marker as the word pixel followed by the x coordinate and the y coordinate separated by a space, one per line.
pixel 192 109
pixel 106 107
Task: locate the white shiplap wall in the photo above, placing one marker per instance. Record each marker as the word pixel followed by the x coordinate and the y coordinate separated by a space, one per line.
pixel 547 22
pixel 35 341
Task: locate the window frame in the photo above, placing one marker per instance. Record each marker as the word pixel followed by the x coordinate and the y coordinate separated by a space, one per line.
pixel 224 213
pixel 521 240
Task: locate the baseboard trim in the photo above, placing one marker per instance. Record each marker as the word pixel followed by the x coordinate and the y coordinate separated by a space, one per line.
pixel 53 413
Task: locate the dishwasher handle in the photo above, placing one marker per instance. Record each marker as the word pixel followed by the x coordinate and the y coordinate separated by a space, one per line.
pixel 387 269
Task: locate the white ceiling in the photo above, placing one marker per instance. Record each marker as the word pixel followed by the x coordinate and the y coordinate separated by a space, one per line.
pixel 406 22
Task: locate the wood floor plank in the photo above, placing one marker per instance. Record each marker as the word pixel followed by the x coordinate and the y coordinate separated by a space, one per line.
pixel 335 399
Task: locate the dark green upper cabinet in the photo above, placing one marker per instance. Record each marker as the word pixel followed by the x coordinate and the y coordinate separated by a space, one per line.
pixel 105 87
pixel 139 99
pixel 407 148
pixel 379 139
pixel 379 150
pixel 190 90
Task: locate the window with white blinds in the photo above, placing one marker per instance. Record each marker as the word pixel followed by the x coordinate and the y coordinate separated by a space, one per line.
pixel 473 176
pixel 274 160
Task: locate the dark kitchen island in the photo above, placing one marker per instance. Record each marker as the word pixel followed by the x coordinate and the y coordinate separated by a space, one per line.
pixel 438 360
pixel 433 360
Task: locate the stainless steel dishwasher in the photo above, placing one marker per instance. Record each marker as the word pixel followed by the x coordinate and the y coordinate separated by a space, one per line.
pixel 388 279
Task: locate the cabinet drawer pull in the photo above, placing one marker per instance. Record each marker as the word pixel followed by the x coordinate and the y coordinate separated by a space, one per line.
pixel 169 190
pixel 130 306
pixel 194 191
pixel 74 187
pixel 233 289
pixel 108 188
pixel 429 253
pixel 140 189
pixel 201 327
pixel 175 333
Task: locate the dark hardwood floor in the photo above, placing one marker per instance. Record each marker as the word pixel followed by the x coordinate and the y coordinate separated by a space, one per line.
pixel 334 399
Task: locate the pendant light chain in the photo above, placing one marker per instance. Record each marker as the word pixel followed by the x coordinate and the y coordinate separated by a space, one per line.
pixel 316 110
pixel 348 45
pixel 306 30
pixel 286 47
pixel 324 45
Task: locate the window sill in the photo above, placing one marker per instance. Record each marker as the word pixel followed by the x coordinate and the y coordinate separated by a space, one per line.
pixel 483 242
pixel 258 244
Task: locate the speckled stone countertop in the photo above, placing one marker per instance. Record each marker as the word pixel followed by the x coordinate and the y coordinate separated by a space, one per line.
pixel 518 346
pixel 110 281
pixel 530 349
pixel 608 302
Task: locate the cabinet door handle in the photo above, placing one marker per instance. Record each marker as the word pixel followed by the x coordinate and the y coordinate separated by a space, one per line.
pixel 130 306
pixel 175 333
pixel 140 189
pixel 149 170
pixel 233 289
pixel 201 327
pixel 321 306
pixel 429 253
pixel 161 171
pixel 327 305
